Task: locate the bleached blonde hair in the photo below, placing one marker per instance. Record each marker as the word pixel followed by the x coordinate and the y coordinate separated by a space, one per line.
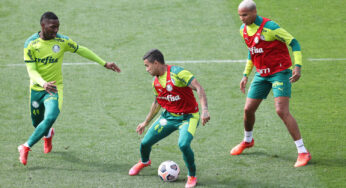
pixel 247 4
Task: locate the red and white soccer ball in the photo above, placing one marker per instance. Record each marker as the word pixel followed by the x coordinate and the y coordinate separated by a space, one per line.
pixel 168 171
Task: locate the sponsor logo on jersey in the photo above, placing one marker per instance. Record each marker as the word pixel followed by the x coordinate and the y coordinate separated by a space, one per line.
pixel 171 98
pixel 56 48
pixel 255 50
pixel 46 60
pixel 264 71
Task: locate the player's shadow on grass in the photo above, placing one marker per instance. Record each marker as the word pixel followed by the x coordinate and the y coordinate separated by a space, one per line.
pixel 273 156
pixel 334 162
pixel 90 164
pixel 235 183
pixel 254 153
pixel 152 172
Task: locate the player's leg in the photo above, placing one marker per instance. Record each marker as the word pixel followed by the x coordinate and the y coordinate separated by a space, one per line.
pixel 157 131
pixel 258 91
pixel 282 109
pixel 47 147
pixel 187 131
pixel 51 113
pixel 37 114
pixel 282 93
pixel 251 105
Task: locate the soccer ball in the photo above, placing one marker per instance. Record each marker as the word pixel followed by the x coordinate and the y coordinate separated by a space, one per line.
pixel 168 171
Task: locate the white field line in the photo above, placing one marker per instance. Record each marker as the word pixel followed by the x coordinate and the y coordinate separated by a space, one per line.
pixel 327 59
pixel 208 61
pixel 189 61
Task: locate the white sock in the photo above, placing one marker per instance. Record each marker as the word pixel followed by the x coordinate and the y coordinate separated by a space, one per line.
pixel 49 133
pixel 26 145
pixel 247 136
pixel 300 146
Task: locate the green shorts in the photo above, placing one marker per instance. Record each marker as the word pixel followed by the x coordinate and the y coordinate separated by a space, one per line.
pixel 38 104
pixel 280 82
pixel 170 122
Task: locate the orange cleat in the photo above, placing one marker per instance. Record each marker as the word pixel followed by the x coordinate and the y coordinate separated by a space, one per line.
pixel 23 153
pixel 191 182
pixel 138 167
pixel 48 142
pixel 237 150
pixel 303 159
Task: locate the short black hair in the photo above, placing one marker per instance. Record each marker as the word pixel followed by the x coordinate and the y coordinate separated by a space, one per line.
pixel 48 15
pixel 154 55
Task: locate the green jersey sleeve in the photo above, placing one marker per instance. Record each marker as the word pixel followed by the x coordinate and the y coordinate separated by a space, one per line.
pixel 30 62
pixel 181 77
pixel 87 53
pixel 70 45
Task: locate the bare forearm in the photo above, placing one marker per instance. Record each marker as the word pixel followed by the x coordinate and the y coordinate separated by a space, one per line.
pixel 203 98
pixel 155 108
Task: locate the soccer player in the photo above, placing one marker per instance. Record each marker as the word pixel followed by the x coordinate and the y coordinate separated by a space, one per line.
pixel 43 55
pixel 268 52
pixel 172 87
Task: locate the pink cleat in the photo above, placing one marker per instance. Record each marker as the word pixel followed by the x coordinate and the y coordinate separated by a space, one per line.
pixel 48 142
pixel 138 167
pixel 237 150
pixel 303 159
pixel 191 182
pixel 23 153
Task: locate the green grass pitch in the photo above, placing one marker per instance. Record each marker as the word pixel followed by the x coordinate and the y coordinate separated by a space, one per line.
pixel 96 143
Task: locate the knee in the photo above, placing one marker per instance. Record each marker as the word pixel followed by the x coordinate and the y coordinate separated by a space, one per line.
pixel 184 146
pixel 282 113
pixel 249 110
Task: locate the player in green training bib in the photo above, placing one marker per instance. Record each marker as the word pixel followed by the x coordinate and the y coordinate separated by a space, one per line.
pixel 43 55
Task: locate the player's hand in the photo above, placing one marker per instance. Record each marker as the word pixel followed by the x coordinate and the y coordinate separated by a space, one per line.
pixel 243 83
pixel 205 117
pixel 141 127
pixel 295 74
pixel 50 87
pixel 112 66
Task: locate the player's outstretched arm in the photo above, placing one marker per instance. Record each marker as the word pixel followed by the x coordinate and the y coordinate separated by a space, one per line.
pixel 87 53
pixel 203 100
pixel 155 108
